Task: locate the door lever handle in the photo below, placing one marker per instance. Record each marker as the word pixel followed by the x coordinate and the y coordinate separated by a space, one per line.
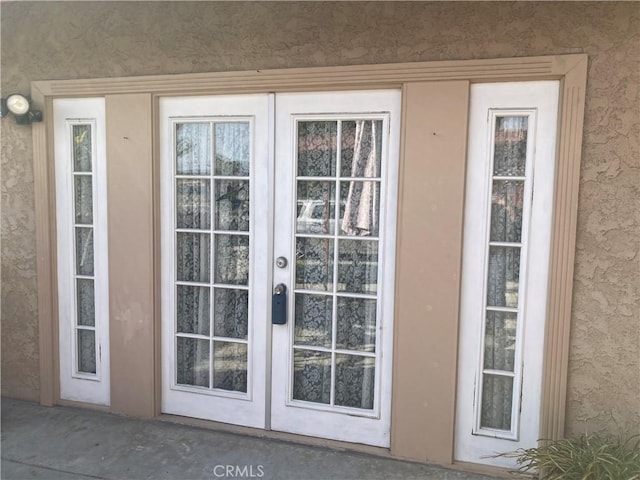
pixel 279 305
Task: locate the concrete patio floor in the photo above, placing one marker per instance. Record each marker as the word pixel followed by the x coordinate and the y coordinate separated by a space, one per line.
pixel 63 443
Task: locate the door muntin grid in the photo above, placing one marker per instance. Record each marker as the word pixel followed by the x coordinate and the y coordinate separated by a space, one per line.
pixel 499 378
pixel 334 338
pixel 212 213
pixel 86 341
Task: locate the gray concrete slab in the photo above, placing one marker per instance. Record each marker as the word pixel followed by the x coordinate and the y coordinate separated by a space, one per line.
pixel 63 443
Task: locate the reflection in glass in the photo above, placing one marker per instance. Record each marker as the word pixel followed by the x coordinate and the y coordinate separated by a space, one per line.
pixel 313 316
pixel 232 205
pixel 232 259
pixel 83 199
pixel 497 397
pixel 81 148
pixel 314 263
pixel 193 203
pixel 500 340
pixel 192 361
pixel 316 212
pixel 361 143
pixel 84 251
pixel 193 149
pixel 359 208
pixel 230 313
pixel 86 302
pixel 317 145
pixel 510 154
pixel 358 266
pixel 356 327
pixel 312 376
pixel 193 309
pixel 230 366
pixel 503 276
pixel 86 351
pixel 232 148
pixel 355 380
pixel 192 257
pixel 506 210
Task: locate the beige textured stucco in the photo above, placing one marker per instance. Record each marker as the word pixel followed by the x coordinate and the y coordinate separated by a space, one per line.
pixel 60 40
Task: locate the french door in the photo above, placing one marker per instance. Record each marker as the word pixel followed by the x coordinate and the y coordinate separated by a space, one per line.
pixel 292 193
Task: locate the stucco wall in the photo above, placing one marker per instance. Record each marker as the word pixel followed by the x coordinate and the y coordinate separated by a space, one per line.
pixel 60 40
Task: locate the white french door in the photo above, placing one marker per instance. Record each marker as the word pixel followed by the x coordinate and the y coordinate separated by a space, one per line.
pixel 215 283
pixel 295 190
pixel 506 251
pixel 335 219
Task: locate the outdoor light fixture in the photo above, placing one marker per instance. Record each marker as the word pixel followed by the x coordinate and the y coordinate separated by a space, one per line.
pixel 20 107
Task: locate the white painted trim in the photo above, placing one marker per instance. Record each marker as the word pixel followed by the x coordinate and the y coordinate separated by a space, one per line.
pixel 74 385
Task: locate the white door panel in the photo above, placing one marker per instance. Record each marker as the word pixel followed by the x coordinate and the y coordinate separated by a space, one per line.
pixel 336 189
pixel 214 211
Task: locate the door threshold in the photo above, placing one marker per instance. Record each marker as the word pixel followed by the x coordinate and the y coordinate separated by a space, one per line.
pixel 274 435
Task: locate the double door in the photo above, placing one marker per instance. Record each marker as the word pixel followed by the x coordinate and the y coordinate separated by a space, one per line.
pixel 286 199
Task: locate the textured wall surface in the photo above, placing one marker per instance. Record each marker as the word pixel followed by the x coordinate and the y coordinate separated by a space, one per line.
pixel 61 40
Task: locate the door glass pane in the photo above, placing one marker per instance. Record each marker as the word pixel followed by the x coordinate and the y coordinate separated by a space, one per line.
pixel 358 266
pixel 232 148
pixel 359 208
pixel 506 210
pixel 193 148
pixel 313 314
pixel 316 207
pixel 314 263
pixel 230 313
pixel 193 256
pixel 86 302
pixel 86 351
pixel 192 361
pixel 356 326
pixel 230 366
pixel 500 340
pixel 497 395
pixel 213 204
pixel 345 318
pixel 193 203
pixel 81 148
pixel 84 251
pixel 232 259
pixel 503 276
pixel 83 199
pixel 193 309
pixel 317 146
pixel 312 376
pixel 355 380
pixel 232 205
pixel 361 143
pixel 510 153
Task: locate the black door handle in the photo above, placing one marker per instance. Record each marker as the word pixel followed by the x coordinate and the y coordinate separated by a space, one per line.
pixel 279 305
